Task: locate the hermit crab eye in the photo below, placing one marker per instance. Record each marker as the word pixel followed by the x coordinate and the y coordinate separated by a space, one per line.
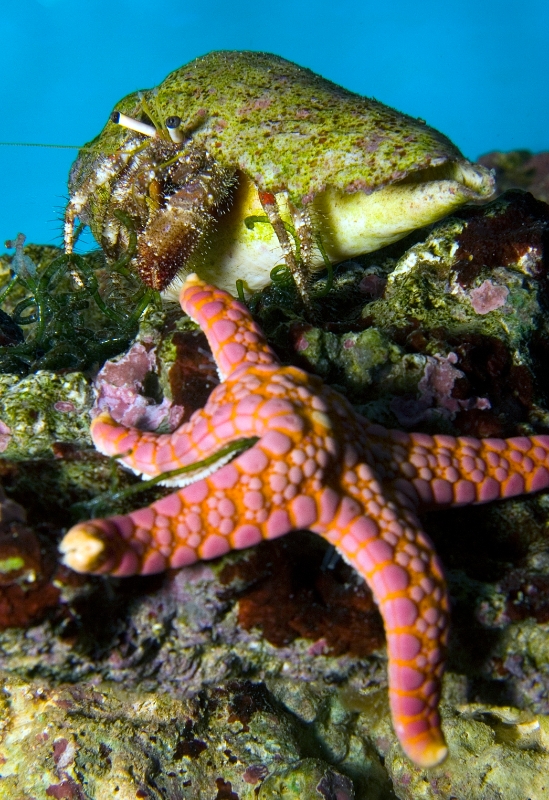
pixel 173 124
pixel 133 124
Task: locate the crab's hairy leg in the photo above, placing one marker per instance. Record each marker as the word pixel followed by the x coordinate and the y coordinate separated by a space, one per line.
pixel 308 241
pixel 107 168
pixel 447 470
pixel 295 265
pixel 68 228
pixel 232 334
pixel 303 228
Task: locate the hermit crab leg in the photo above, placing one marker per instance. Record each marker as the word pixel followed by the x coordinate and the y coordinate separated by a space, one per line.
pixel 295 264
pixel 107 168
pixel 303 229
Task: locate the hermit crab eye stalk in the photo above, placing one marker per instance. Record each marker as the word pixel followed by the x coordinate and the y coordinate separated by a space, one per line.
pixel 173 124
pixel 132 124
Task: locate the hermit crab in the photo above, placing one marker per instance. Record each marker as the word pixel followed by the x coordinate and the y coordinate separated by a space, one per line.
pixel 241 161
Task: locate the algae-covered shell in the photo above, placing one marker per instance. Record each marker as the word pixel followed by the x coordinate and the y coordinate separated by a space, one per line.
pixel 363 173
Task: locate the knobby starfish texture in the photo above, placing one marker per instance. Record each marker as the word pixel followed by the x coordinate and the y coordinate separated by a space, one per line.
pixel 319 465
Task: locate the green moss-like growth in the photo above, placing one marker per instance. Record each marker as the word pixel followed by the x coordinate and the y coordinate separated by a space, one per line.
pixel 61 312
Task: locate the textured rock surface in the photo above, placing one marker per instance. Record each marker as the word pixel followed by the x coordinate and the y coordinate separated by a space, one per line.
pixel 249 741
pixel 90 743
pixel 42 409
pixel 520 169
pixel 448 334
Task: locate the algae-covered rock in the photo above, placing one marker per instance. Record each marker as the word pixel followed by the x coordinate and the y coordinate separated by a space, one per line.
pixel 454 325
pixel 495 754
pixel 238 740
pixel 307 780
pixel 42 409
pixel 476 273
pixel 100 742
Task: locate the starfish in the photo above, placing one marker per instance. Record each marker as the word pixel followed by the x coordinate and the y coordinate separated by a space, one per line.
pixel 314 464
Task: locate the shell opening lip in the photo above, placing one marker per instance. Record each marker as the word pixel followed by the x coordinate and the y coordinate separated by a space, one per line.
pixel 470 178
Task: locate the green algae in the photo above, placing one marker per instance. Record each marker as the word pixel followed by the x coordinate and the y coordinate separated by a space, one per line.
pixel 61 312
pixel 12 564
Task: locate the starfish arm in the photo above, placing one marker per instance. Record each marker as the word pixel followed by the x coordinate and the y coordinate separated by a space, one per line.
pixel 172 532
pixel 382 539
pixel 254 497
pixel 451 471
pixel 150 454
pixel 232 334
pixel 235 410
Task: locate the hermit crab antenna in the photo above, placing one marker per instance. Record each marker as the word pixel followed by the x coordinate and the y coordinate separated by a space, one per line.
pixel 173 124
pixel 132 124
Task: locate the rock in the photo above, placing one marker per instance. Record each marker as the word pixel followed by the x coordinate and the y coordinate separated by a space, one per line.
pixel 41 410
pixel 83 742
pixel 520 169
pixel 307 780
pixel 494 753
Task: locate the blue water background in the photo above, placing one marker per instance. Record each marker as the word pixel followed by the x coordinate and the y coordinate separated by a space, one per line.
pixel 478 71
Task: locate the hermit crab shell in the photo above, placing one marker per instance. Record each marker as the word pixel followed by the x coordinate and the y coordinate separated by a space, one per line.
pixel 366 174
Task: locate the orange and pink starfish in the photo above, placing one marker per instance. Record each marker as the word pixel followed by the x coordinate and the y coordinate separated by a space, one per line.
pixel 319 465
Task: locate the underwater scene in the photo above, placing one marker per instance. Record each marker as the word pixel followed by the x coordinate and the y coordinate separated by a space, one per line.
pixel 274 402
